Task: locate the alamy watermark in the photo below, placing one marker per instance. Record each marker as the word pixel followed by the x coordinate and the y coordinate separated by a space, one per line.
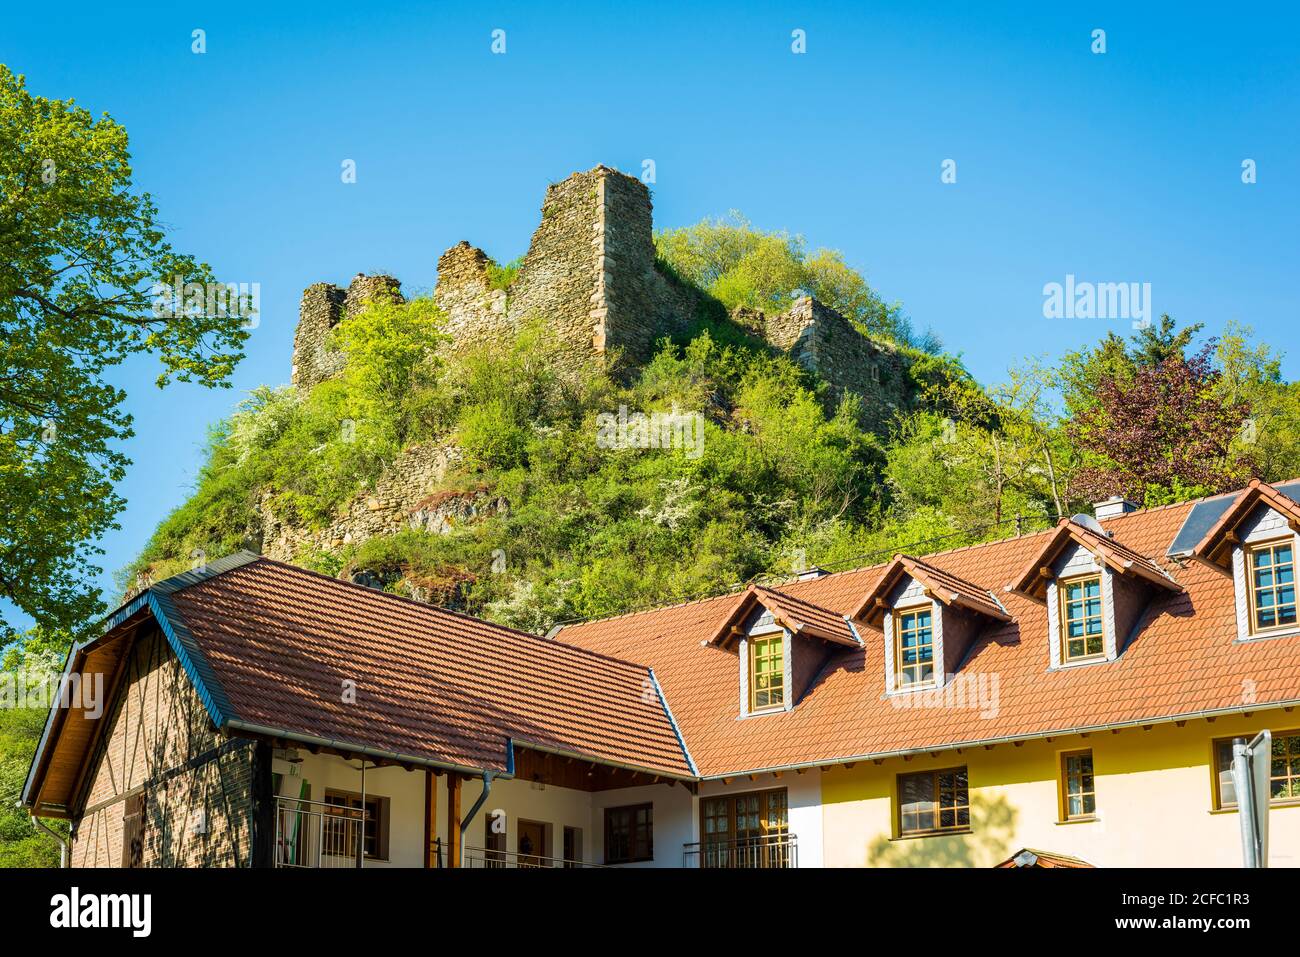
pixel 45 690
pixel 213 300
pixel 651 430
pixel 1098 300
pixel 964 692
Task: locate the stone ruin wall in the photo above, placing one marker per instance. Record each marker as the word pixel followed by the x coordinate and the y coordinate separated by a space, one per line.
pixel 590 275
pixel 823 341
pixel 406 496
pixel 323 306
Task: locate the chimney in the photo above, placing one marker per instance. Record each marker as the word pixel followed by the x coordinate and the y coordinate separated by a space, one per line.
pixel 808 574
pixel 1113 506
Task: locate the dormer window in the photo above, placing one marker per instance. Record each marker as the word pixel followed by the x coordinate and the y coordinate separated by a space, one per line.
pixel 1082 623
pixel 1097 591
pixel 914 644
pixel 767 672
pixel 781 643
pixel 1272 586
pixel 929 619
pixel 1252 537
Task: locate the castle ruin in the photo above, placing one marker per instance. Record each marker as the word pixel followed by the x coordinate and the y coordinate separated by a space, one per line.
pixel 591 275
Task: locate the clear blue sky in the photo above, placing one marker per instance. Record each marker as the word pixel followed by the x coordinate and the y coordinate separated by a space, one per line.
pixel 1124 166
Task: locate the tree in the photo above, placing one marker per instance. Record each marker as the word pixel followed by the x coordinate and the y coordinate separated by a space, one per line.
pixel 82 259
pixel 743 266
pixel 1164 435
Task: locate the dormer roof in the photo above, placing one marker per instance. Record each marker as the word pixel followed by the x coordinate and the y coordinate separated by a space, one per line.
pixel 942 586
pixel 799 617
pixel 1032 580
pixel 1215 546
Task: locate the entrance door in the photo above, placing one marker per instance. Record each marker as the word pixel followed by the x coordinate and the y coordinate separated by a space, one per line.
pixel 531 844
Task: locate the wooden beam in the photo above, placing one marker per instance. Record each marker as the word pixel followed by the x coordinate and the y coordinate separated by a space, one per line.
pixel 453 819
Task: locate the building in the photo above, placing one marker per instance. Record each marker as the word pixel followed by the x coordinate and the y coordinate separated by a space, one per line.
pixel 1069 696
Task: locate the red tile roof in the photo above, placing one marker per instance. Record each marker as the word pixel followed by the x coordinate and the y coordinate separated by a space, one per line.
pixel 1117 556
pixel 1184 660
pixel 281 642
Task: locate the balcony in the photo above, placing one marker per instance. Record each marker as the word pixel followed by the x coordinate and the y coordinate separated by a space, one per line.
pixel 493 859
pixel 769 850
pixel 312 834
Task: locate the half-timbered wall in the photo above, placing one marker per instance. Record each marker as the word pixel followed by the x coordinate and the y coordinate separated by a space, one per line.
pixel 159 754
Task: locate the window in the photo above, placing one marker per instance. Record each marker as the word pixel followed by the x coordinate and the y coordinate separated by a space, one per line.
pixel 1081 627
pixel 1272 586
pixel 766 672
pixel 1284 775
pixel 341 827
pixel 746 830
pixel 933 802
pixel 1078 798
pixel 629 834
pixel 572 847
pixel 914 648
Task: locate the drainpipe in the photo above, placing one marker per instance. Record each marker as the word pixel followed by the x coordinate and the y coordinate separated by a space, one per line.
pixel 469 818
pixel 482 798
pixel 63 845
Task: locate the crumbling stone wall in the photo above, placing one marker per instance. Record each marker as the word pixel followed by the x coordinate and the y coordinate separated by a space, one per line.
pixel 589 275
pixel 824 342
pixel 323 305
pixel 406 496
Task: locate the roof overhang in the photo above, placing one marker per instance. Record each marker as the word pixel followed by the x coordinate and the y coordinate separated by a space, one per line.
pixel 790 613
pixel 1032 582
pixel 1215 547
pixel 940 586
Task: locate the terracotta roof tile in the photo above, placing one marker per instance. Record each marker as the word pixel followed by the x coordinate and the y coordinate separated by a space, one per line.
pixel 1184 660
pixel 429 683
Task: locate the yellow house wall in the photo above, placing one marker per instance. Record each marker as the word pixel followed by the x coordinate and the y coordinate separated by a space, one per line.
pixel 1154 803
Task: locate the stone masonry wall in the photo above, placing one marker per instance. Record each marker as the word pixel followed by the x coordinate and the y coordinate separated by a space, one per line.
pixel 405 497
pixel 323 305
pixel 823 341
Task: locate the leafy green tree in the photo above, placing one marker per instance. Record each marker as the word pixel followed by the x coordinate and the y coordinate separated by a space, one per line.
pixel 80 254
pixel 744 266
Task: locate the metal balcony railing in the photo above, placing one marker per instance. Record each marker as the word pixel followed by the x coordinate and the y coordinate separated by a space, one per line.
pixel 315 834
pixel 486 857
pixel 769 850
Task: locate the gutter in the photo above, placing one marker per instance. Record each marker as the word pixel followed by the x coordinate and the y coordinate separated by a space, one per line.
pixel 622 765
pixel 234 724
pixel 1008 739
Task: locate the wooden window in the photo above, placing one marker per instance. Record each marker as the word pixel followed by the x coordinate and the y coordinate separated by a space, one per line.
pixel 1284 774
pixel 746 830
pixel 914 647
pixel 1272 585
pixel 133 821
pixel 1082 631
pixel 1078 795
pixel 933 802
pixel 767 672
pixel 341 834
pixel 629 834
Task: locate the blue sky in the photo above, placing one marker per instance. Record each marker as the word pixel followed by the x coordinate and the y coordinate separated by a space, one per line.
pixel 1115 167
